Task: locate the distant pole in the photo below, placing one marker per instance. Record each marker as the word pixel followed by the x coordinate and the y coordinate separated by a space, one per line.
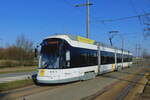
pixel 87 4
pixel 136 51
pixel 139 50
pixel 88 18
pixel 122 49
pixel 1 42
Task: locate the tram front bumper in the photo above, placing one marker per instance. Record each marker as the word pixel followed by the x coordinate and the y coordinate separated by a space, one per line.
pixel 48 81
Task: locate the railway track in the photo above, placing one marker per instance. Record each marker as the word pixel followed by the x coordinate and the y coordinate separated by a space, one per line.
pixel 23 92
pixel 120 89
pixel 129 87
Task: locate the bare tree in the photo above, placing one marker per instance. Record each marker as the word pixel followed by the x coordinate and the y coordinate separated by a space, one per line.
pixel 24 43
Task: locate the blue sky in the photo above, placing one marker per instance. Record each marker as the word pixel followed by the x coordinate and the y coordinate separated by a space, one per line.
pixel 40 18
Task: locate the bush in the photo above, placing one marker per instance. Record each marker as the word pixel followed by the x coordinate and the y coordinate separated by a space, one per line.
pixel 8 63
pixel 14 63
pixel 19 54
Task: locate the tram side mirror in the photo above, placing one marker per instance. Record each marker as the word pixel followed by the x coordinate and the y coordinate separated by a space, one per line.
pixel 35 52
pixel 67 55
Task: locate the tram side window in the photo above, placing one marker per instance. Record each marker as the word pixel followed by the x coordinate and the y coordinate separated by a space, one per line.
pixel 107 57
pixel 64 62
pixel 92 58
pixel 119 58
pixel 130 58
pixel 125 58
pixel 83 57
pixel 75 58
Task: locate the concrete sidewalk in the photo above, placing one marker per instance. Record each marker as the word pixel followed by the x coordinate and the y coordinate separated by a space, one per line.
pixel 4 78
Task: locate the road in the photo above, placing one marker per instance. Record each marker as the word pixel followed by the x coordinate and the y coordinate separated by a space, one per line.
pixel 14 76
pixel 73 91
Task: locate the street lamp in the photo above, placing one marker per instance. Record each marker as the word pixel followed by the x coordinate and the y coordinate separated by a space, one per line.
pixel 122 43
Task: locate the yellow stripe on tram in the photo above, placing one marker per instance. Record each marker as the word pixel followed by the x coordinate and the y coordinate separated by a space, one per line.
pixel 42 72
pixel 85 40
pixel 113 67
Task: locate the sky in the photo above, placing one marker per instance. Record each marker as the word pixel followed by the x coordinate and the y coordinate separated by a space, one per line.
pixel 37 19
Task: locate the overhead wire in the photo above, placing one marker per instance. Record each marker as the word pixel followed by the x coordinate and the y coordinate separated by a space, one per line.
pixel 108 27
pixel 125 18
pixel 103 22
pixel 139 18
pixel 118 19
pixel 135 11
pixel 148 1
pixel 72 6
pixel 68 3
pixel 94 19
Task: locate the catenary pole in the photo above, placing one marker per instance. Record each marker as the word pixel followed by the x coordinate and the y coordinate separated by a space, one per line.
pixel 87 4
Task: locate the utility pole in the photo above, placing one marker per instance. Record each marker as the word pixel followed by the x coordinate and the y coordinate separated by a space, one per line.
pixel 136 51
pixel 139 50
pixel 87 4
pixel 88 19
pixel 122 49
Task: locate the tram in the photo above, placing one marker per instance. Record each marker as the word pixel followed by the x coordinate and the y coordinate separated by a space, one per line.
pixel 65 58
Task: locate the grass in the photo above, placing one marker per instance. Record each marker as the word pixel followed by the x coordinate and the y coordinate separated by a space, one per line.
pixel 17 69
pixel 15 84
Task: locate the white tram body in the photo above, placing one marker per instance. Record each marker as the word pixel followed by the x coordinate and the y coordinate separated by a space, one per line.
pixel 66 58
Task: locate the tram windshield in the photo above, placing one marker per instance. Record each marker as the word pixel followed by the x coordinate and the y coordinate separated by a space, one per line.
pixel 50 54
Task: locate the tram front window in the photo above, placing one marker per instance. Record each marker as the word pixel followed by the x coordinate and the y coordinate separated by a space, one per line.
pixel 50 55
